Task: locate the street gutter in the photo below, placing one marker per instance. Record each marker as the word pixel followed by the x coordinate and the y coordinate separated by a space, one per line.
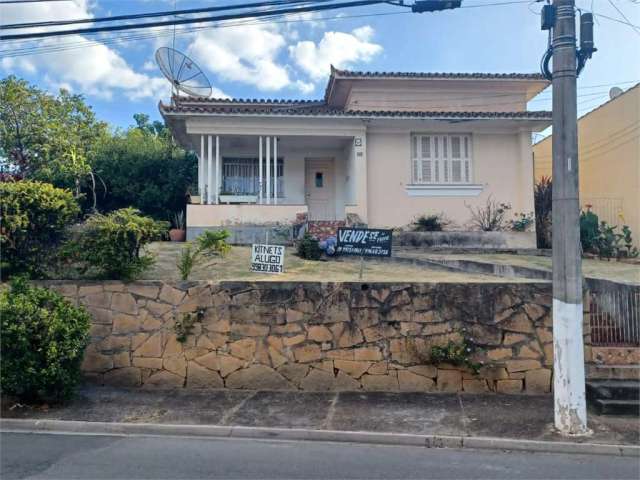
pixel 63 427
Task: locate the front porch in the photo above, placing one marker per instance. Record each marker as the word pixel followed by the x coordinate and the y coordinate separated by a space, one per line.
pixel 275 180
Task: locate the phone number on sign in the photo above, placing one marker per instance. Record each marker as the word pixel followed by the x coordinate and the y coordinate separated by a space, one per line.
pixel 263 267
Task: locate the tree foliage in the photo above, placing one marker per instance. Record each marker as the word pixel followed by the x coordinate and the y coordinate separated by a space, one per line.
pixel 47 137
pixel 144 169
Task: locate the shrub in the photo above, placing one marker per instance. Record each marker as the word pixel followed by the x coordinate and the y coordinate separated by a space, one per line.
pixel 309 248
pixel 208 243
pixel 589 231
pixel 111 244
pixel 489 218
pixel 43 338
pixel 522 222
pixel 430 223
pixel 542 199
pixel 33 219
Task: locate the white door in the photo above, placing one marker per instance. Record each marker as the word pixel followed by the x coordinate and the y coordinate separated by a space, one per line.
pixel 320 188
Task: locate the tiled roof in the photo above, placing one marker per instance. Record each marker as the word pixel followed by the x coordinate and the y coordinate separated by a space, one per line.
pixel 250 101
pixel 318 109
pixel 437 75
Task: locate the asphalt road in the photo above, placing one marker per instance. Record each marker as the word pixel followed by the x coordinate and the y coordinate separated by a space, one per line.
pixel 51 456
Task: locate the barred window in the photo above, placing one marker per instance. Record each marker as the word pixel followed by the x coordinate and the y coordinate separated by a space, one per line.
pixel 441 159
pixel 241 176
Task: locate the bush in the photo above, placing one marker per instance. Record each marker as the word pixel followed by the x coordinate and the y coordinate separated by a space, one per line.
pixel 208 243
pixel 522 222
pixel 542 199
pixel 491 217
pixel 111 245
pixel 589 231
pixel 33 219
pixel 309 248
pixel 43 338
pixel 430 223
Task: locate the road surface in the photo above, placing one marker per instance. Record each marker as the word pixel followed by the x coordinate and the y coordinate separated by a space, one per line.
pixel 71 456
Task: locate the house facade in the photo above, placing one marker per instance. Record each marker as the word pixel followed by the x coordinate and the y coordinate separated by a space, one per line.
pixel 609 156
pixel 379 149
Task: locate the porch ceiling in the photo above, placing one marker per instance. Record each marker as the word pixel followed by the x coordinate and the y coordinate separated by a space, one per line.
pixel 285 142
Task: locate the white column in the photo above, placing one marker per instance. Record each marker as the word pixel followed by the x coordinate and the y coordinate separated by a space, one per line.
pixel 217 182
pixel 260 185
pixel 209 171
pixel 275 170
pixel 201 170
pixel 268 152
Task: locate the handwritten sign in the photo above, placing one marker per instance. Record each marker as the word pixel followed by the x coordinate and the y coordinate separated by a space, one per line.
pixel 267 258
pixel 364 242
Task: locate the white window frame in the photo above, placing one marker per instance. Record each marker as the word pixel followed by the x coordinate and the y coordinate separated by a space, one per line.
pixel 432 160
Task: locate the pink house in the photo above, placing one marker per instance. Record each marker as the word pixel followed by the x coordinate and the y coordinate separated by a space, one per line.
pixel 380 148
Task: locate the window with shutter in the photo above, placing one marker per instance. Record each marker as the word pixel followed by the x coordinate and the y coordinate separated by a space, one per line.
pixel 438 159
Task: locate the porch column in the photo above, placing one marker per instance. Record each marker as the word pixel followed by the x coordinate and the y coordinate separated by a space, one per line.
pixel 218 182
pixel 275 170
pixel 201 170
pixel 268 170
pixel 260 185
pixel 209 171
pixel 526 173
pixel 359 152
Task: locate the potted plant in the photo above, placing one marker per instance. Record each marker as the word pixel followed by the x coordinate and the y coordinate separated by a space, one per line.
pixel 178 233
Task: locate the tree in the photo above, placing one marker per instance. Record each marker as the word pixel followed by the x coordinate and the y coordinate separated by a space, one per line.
pixel 143 168
pixel 47 137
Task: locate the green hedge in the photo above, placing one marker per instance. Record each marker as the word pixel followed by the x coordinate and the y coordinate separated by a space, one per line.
pixel 34 216
pixel 43 337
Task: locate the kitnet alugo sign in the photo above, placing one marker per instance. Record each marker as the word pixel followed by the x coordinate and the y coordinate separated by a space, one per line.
pixel 267 258
pixel 364 242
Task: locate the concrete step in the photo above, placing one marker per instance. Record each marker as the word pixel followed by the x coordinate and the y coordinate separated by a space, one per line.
pixel 613 389
pixel 617 407
pixel 613 372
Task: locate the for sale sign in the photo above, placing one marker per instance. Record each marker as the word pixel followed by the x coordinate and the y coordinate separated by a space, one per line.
pixel 364 242
pixel 267 258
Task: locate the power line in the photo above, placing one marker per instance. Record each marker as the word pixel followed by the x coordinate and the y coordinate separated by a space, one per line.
pixel 135 16
pixel 186 21
pixel 31 49
pixel 6 2
pixel 635 29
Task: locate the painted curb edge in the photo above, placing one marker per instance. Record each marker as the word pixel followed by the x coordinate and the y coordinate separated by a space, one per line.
pixel 378 438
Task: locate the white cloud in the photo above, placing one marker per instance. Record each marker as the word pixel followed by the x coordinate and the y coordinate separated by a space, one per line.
pixel 304 87
pixel 94 69
pixel 335 48
pixel 247 55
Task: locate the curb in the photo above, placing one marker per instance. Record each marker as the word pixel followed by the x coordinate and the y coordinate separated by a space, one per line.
pixel 376 438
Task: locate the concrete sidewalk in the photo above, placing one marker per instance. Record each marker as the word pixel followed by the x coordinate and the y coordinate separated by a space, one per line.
pixel 448 415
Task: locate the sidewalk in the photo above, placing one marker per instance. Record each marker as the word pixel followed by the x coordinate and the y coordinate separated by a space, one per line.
pixel 447 415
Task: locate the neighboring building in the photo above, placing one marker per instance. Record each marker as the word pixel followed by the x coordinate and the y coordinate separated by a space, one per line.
pixel 380 148
pixel 609 156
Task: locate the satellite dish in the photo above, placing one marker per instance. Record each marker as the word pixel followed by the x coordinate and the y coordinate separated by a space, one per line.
pixel 615 92
pixel 183 73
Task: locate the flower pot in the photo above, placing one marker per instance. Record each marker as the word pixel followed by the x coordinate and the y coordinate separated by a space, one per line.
pixel 177 235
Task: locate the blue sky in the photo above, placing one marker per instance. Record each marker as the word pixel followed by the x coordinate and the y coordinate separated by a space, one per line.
pixel 291 59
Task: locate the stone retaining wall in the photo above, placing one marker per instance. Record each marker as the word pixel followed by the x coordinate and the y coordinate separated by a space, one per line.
pixel 316 336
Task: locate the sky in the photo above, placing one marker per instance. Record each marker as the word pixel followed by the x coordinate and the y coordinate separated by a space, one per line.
pixel 291 58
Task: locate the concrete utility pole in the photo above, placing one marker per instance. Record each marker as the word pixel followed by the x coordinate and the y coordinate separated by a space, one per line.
pixel 570 409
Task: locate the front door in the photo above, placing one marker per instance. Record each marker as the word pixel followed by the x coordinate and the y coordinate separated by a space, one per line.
pixel 320 188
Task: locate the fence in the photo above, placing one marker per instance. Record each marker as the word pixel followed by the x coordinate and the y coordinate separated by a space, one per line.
pixel 614 316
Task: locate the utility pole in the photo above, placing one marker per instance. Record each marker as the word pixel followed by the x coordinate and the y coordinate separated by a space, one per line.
pixel 570 411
